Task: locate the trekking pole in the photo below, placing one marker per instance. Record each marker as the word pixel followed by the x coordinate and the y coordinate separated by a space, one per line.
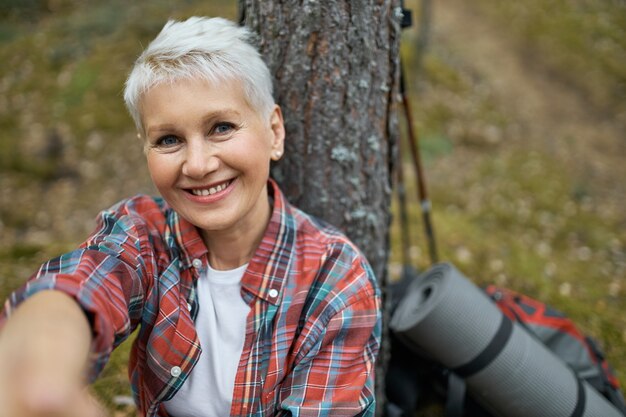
pixel 404 218
pixel 421 180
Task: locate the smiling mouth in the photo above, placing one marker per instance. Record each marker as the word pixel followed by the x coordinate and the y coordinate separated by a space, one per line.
pixel 210 190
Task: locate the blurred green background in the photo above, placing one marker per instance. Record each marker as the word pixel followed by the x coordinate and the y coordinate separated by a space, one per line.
pixel 520 108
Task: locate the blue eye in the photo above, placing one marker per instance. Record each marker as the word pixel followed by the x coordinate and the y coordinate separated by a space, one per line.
pixel 223 128
pixel 167 140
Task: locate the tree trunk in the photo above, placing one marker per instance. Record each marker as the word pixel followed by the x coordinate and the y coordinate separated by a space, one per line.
pixel 335 66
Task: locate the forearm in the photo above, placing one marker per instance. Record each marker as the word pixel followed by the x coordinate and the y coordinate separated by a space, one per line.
pixel 44 350
pixel 55 321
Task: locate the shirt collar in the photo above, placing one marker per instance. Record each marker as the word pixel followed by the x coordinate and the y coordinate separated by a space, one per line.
pixel 188 239
pixel 268 268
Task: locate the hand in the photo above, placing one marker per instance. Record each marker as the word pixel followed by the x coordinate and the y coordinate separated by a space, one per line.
pixel 44 348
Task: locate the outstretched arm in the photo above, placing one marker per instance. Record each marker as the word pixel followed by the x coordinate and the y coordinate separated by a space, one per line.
pixel 44 350
pixel 63 323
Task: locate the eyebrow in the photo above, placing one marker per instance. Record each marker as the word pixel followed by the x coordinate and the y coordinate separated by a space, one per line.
pixel 208 118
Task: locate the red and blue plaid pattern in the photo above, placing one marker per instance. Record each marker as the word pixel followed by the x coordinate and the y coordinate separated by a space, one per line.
pixel 312 334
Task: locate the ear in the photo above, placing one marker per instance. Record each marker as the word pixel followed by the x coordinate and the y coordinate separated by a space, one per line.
pixel 278 133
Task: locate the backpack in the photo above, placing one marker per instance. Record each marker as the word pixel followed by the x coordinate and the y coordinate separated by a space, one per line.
pixel 414 382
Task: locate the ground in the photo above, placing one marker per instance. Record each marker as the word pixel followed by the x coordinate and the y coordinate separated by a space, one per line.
pixel 553 117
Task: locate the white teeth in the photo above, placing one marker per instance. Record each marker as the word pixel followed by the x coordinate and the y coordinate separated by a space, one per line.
pixel 210 191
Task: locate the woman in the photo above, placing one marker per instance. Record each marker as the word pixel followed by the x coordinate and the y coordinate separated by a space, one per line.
pixel 245 304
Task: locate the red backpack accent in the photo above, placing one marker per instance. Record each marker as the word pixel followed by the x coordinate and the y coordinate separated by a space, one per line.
pixel 560 334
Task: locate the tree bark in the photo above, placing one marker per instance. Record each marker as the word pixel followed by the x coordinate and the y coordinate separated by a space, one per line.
pixel 335 65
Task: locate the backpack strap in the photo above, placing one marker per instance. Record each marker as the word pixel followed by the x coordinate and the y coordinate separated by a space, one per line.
pixel 580 400
pixel 617 400
pixel 455 401
pixel 609 389
pixel 456 384
pixel 489 353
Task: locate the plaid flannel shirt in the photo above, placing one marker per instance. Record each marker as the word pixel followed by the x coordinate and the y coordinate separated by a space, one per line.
pixel 312 334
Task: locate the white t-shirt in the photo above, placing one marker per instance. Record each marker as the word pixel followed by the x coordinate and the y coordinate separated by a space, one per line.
pixel 221 328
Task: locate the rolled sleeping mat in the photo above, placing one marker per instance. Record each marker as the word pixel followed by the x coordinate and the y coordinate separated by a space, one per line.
pixel 510 373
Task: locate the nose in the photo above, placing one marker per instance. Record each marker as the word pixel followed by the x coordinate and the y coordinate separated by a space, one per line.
pixel 200 159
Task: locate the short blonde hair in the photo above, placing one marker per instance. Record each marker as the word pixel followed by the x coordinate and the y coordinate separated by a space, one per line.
pixel 214 49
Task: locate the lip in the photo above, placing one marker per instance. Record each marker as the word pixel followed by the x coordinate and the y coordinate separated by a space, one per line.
pixel 213 198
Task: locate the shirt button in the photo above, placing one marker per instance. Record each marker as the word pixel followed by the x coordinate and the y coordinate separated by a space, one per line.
pixel 175 371
pixel 196 263
pixel 273 293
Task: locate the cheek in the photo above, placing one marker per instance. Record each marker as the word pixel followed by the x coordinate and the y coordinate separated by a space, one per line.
pixel 249 154
pixel 160 170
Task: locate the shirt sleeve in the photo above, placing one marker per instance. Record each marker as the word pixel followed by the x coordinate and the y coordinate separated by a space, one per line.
pixel 335 374
pixel 107 275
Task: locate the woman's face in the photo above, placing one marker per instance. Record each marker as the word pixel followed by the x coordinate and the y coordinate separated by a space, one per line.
pixel 209 152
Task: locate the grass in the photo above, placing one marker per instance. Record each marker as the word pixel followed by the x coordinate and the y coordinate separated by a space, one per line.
pixel 512 222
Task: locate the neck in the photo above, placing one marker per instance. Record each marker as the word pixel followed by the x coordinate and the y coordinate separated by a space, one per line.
pixel 229 249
